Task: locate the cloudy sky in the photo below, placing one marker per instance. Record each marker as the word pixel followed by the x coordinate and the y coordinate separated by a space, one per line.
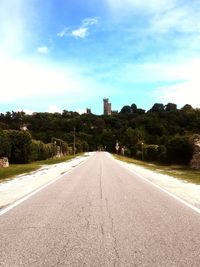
pixel 61 54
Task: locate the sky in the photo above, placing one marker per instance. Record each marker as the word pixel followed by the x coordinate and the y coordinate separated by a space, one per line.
pixel 68 55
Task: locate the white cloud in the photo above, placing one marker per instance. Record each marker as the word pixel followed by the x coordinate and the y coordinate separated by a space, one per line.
pixel 160 16
pixel 43 50
pixel 21 79
pixel 145 6
pixel 183 19
pixel 26 79
pixel 80 33
pixel 15 19
pixel 185 92
pixel 181 94
pixel 90 21
pixel 27 111
pixel 81 111
pixel 64 32
pixel 179 82
pixel 54 109
pixel 161 72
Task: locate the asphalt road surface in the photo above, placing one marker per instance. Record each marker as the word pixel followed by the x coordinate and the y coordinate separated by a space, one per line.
pixel 100 214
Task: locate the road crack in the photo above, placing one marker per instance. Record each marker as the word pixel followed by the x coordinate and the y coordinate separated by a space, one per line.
pixel 113 234
pixel 100 183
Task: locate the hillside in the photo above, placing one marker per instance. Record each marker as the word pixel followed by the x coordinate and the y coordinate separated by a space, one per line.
pixel 159 134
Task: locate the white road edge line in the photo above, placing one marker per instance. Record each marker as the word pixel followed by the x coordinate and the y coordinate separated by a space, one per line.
pixel 21 200
pixel 159 187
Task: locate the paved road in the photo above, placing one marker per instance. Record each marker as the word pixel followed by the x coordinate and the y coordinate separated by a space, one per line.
pixel 100 215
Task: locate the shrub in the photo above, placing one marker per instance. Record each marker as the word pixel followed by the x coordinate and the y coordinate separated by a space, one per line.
pixel 151 152
pixel 5 145
pixel 179 150
pixel 20 146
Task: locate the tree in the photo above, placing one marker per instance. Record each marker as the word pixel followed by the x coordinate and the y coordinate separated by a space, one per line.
pixel 20 146
pixel 5 144
pixel 155 153
pixel 179 150
pixel 126 109
pixel 41 151
pixel 171 107
pixel 157 127
pixel 134 108
pixel 151 152
pixel 109 140
pixel 63 147
pixel 131 138
pixel 157 108
pixel 187 107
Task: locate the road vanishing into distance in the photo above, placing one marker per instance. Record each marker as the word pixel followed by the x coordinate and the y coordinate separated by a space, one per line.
pixel 100 214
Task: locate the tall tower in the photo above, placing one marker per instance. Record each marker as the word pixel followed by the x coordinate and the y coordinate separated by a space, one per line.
pixel 88 111
pixel 106 107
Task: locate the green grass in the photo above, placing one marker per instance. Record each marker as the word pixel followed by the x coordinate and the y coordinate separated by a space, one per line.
pixel 179 171
pixel 58 160
pixel 16 169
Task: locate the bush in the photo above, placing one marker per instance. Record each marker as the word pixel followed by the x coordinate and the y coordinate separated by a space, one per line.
pixel 63 146
pixel 179 150
pixel 20 146
pixel 41 151
pixel 5 145
pixel 162 153
pixel 151 152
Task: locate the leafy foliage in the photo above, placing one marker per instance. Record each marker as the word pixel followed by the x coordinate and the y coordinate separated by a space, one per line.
pixel 179 150
pixel 20 146
pixel 164 131
pixel 5 145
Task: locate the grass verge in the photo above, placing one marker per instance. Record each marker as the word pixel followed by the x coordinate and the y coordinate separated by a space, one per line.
pixel 178 171
pixel 16 169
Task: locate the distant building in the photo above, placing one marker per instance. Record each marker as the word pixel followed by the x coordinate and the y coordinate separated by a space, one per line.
pixel 106 107
pixel 88 111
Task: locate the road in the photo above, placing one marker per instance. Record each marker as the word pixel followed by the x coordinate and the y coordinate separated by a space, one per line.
pixel 100 214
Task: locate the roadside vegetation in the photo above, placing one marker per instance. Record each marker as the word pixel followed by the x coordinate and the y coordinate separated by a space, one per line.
pixel 182 172
pixel 16 169
pixel 164 134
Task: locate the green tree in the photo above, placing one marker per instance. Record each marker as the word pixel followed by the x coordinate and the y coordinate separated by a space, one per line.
pixel 126 109
pixel 157 108
pixel 5 144
pixel 171 107
pixel 134 108
pixel 20 146
pixel 179 150
pixel 187 107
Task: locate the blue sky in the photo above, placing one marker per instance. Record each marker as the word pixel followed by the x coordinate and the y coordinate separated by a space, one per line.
pixel 60 54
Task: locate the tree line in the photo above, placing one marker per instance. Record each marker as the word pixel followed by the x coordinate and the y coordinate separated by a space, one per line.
pixel 160 134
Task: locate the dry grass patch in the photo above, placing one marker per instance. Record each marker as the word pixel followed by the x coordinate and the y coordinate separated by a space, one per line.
pixel 178 171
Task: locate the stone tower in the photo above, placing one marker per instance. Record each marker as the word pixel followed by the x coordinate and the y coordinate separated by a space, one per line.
pixel 88 111
pixel 106 107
